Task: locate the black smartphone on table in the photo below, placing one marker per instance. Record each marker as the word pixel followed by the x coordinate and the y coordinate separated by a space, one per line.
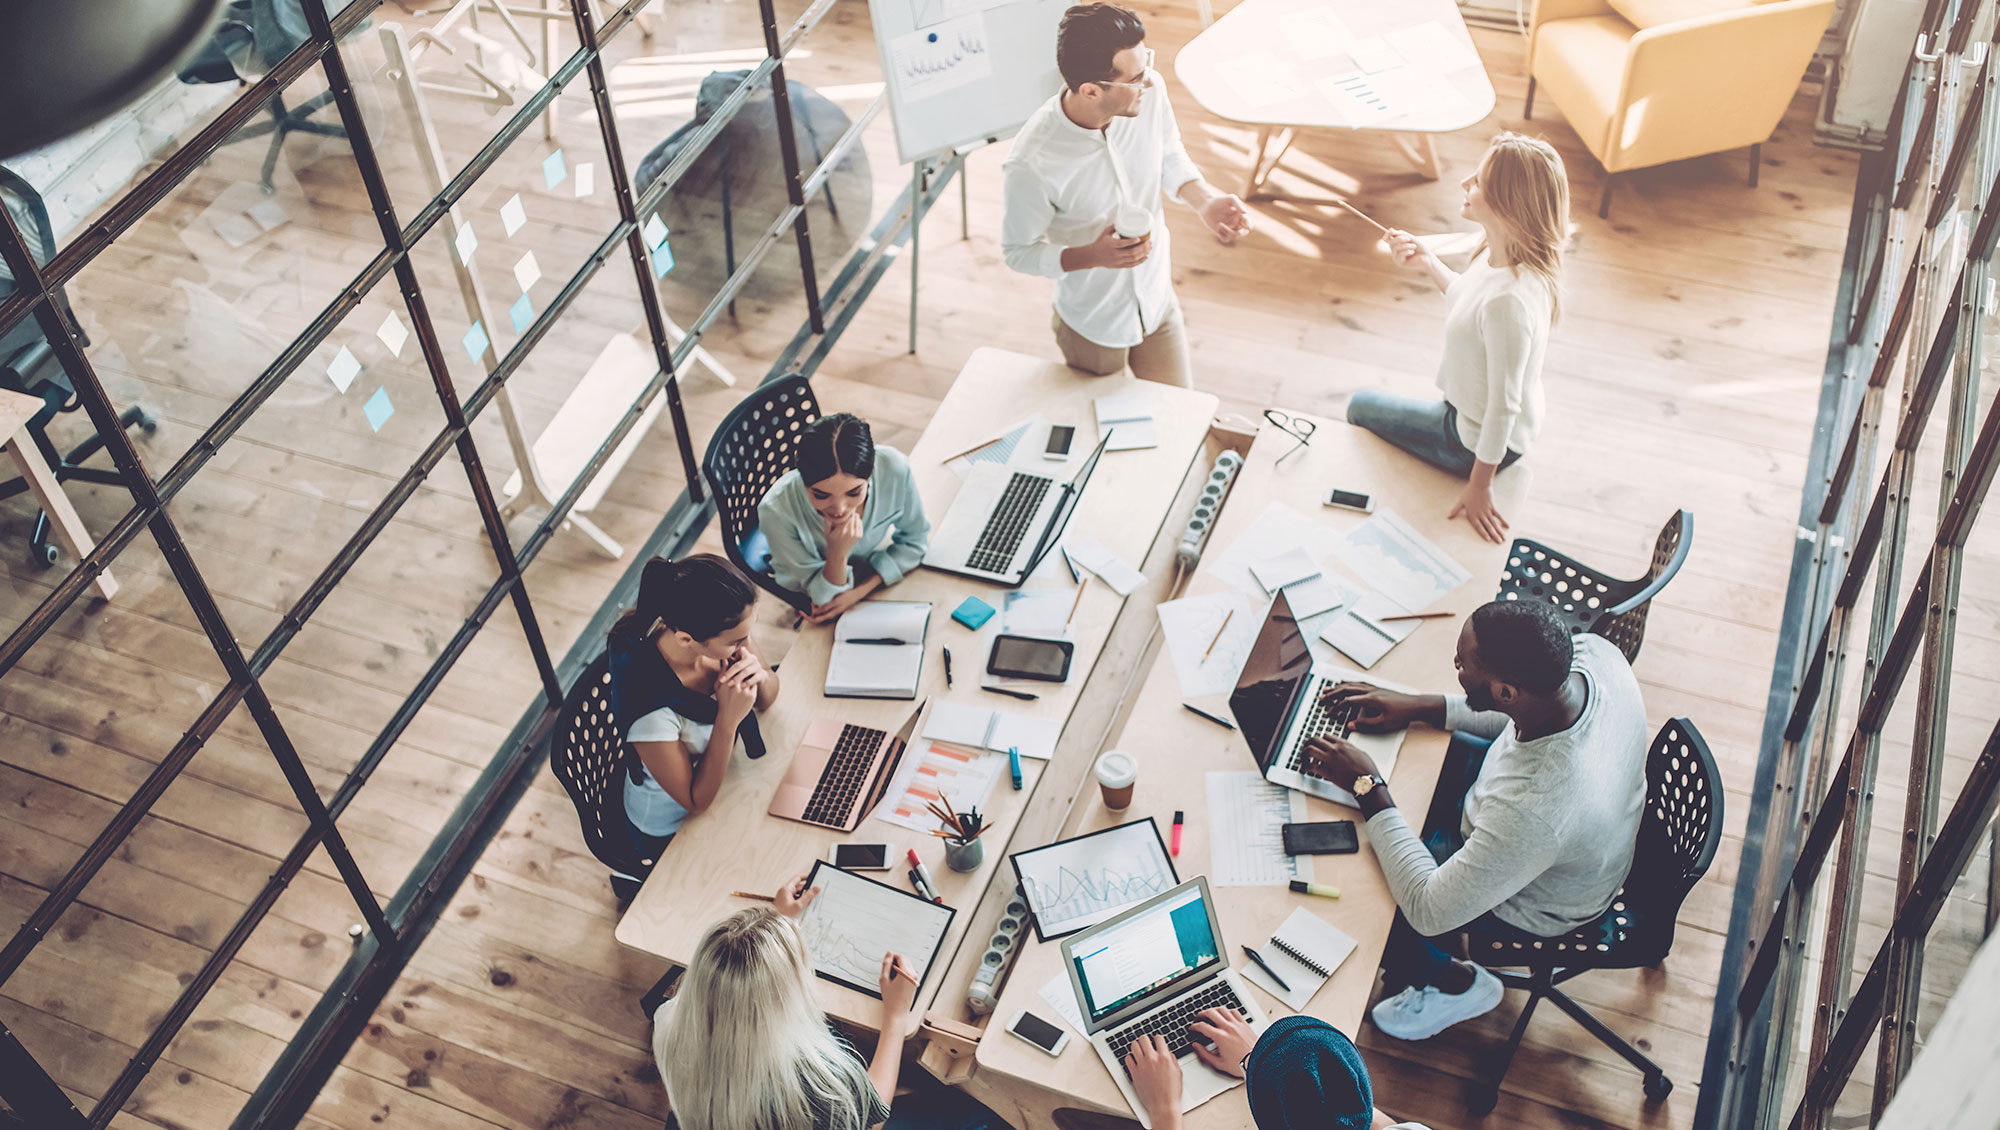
pixel 1326 837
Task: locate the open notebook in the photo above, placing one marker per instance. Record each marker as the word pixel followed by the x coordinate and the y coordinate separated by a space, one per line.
pixel 1305 951
pixel 878 650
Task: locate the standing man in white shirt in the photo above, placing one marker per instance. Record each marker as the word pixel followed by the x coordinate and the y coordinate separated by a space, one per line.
pixel 1096 159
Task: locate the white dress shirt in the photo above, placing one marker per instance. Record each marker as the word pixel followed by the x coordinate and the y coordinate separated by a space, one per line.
pixel 1062 186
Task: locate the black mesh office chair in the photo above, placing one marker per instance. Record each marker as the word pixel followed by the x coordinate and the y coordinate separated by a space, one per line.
pixel 757 443
pixel 28 364
pixel 252 37
pixel 1593 601
pixel 1678 835
pixel 590 760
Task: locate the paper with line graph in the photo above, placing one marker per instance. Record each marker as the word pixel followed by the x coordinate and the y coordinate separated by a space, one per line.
pixel 1083 881
pixel 855 920
pixel 942 57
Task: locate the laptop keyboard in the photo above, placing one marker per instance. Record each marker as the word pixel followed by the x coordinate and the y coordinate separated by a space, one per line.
pixel 1320 722
pixel 1007 526
pixel 1172 1021
pixel 845 775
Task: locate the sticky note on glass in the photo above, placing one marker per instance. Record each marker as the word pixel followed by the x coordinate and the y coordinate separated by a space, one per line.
pixel 663 260
pixel 522 312
pixel 512 215
pixel 342 368
pixel 393 334
pixel 466 243
pixel 655 231
pixel 269 214
pixel 553 169
pixel 586 179
pixel 378 409
pixel 527 271
pixel 475 341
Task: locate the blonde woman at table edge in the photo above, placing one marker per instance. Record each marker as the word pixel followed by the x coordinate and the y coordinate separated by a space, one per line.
pixel 1498 314
pixel 743 1044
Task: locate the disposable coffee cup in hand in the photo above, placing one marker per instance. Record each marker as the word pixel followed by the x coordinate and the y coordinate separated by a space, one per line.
pixel 1117 773
pixel 1132 222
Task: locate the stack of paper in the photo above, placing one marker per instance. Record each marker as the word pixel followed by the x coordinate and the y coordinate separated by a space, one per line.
pixel 1109 567
pixel 995 730
pixel 878 650
pixel 1128 416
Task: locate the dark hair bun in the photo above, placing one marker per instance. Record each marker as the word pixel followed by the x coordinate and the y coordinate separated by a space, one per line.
pixel 838 444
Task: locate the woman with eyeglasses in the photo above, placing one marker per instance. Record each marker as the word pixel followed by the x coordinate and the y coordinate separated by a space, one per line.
pixel 1498 314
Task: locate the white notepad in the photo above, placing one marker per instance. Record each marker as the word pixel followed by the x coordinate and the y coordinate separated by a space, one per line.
pixel 996 730
pixel 1361 635
pixel 1128 416
pixel 879 670
pixel 1305 951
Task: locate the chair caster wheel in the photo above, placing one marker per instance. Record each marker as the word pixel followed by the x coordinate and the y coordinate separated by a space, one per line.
pixel 148 422
pixel 1482 1100
pixel 1658 1087
pixel 44 556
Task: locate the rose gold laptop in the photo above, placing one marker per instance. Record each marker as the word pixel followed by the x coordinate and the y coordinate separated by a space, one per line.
pixel 840 771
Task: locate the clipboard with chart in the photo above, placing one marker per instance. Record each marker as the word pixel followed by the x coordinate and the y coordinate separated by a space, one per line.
pixel 855 920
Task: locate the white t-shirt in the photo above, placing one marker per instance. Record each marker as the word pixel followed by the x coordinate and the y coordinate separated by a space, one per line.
pixel 653 810
pixel 1496 327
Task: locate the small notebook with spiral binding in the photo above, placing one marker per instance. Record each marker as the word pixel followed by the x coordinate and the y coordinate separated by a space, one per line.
pixel 1305 951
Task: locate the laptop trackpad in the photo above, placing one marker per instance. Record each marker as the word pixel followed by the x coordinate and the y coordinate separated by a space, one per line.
pixel 1200 1082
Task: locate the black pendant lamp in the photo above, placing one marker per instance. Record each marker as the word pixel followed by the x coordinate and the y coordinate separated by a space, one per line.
pixel 67 63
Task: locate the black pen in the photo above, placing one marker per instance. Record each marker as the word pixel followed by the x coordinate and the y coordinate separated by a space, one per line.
pixel 947 667
pixel 1266 967
pixel 884 641
pixel 1215 718
pixel 1022 695
pixel 1074 577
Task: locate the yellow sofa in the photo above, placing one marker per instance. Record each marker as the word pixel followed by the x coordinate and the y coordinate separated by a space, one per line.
pixel 1644 82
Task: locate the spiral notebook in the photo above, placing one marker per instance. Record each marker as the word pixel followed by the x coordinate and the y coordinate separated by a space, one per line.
pixel 1305 951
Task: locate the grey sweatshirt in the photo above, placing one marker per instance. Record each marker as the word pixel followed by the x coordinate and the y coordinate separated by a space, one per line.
pixel 1549 826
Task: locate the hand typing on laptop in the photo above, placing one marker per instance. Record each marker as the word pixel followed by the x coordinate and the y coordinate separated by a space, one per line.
pixel 1380 711
pixel 1156 1074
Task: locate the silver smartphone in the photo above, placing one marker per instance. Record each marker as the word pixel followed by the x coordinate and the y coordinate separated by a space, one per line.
pixel 1041 1033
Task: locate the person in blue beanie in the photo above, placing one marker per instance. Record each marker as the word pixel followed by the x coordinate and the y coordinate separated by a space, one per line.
pixel 1300 1073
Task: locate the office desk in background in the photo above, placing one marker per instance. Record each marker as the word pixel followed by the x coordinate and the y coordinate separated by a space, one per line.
pixel 1283 66
pixel 735 845
pixel 1176 750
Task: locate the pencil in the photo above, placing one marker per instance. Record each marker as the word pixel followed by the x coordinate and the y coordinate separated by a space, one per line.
pixel 1073 605
pixel 950 811
pixel 1415 616
pixel 1218 633
pixel 982 443
pixel 896 967
pixel 748 895
pixel 1363 215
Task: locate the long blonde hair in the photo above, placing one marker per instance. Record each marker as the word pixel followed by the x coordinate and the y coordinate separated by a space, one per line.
pixel 746 1046
pixel 1527 190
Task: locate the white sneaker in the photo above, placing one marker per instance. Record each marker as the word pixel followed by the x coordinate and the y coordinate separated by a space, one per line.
pixel 1420 1013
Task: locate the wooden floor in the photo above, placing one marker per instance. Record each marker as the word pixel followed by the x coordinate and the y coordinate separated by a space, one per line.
pixel 1685 372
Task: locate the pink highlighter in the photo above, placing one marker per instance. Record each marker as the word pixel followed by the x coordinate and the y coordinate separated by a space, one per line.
pixel 1175 844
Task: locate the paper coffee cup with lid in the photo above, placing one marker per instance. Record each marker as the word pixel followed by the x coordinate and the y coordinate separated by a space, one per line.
pixel 1117 773
pixel 1132 222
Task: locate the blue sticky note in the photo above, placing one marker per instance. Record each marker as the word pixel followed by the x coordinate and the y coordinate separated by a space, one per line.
pixel 663 260
pixel 378 409
pixel 523 312
pixel 475 341
pixel 553 169
pixel 973 613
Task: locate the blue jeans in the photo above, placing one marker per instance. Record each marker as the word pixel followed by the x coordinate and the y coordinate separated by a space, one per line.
pixel 1411 958
pixel 1427 429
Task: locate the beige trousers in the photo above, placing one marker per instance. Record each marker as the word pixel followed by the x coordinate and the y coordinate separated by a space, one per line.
pixel 1162 356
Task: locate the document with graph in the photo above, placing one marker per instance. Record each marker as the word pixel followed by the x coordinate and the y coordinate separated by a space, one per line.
pixel 1399 562
pixel 1080 882
pixel 855 920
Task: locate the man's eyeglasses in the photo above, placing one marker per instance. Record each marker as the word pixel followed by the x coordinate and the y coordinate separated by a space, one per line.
pixel 1298 427
pixel 1145 69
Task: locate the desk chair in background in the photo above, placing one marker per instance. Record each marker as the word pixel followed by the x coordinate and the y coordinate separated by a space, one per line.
pixel 590 759
pixel 252 37
pixel 28 364
pixel 1678 836
pixel 753 448
pixel 1593 601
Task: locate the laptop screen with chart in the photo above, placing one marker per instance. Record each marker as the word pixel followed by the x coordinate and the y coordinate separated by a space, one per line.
pixel 1077 883
pixel 855 920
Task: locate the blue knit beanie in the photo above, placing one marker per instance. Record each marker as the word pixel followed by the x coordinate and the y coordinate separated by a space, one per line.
pixel 1304 1075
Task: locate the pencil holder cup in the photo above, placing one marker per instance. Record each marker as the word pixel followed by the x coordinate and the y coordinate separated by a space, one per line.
pixel 964 856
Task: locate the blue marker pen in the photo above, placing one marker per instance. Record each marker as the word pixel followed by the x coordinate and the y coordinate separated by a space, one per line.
pixel 1014 765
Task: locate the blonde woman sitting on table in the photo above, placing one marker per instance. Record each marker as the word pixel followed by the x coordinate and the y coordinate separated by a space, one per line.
pixel 743 1045
pixel 847 521
pixel 685 689
pixel 1497 319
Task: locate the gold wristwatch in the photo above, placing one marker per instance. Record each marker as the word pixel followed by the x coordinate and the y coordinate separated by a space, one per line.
pixel 1364 784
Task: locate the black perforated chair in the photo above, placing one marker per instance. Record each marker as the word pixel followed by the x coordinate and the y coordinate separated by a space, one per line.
pixel 1678 835
pixel 757 443
pixel 590 759
pixel 1593 601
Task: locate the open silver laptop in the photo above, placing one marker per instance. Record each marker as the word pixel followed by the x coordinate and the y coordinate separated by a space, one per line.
pixel 1005 520
pixel 1277 706
pixel 1153 969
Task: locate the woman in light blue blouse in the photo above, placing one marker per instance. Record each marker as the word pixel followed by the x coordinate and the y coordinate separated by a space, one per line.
pixel 846 521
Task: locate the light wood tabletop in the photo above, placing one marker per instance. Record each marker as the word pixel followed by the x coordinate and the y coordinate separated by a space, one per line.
pixel 735 845
pixel 1176 750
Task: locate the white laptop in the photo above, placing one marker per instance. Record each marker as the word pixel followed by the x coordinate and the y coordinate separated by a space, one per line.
pixel 1153 969
pixel 1277 706
pixel 1006 520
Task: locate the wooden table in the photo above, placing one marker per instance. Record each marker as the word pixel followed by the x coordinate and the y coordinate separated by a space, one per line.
pixel 1263 62
pixel 16 409
pixel 1177 749
pixel 736 845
